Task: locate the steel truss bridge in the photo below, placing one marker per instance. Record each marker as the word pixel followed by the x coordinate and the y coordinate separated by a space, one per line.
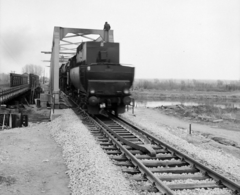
pixel 64 44
pixel 12 92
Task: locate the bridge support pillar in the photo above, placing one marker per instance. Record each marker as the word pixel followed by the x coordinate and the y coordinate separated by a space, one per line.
pixel 54 83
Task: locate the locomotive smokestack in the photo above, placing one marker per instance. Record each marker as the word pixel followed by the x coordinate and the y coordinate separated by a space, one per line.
pixel 107 27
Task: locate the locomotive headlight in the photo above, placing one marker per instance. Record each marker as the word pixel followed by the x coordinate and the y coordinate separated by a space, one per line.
pixel 92 91
pixel 126 91
pixel 93 101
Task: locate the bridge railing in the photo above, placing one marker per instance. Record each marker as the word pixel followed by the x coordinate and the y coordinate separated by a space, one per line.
pixel 7 94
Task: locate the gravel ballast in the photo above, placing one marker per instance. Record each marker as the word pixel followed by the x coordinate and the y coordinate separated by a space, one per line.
pixel 89 168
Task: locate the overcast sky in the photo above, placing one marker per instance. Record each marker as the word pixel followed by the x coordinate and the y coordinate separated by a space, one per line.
pixel 179 39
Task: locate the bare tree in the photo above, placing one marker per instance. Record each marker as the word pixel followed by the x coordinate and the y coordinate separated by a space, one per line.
pixel 34 69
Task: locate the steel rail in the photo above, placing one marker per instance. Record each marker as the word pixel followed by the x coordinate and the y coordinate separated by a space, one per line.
pixel 205 170
pixel 165 190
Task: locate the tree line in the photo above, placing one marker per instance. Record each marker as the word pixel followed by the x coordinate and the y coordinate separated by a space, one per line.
pixel 186 85
pixel 28 68
pixel 33 69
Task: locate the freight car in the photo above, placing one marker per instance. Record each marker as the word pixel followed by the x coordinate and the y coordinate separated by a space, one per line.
pixel 33 80
pixel 96 80
pixel 23 79
pixel 18 79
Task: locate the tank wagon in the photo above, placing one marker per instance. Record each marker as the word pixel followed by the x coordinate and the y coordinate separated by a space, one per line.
pixel 95 78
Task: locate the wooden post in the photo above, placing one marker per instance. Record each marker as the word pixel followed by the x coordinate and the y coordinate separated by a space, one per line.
pixel 190 129
pixel 10 120
pixel 53 102
pixel 133 106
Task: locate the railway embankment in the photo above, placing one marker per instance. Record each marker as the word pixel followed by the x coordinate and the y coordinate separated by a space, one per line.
pixel 201 144
pixel 57 157
pixel 62 157
pixel 89 168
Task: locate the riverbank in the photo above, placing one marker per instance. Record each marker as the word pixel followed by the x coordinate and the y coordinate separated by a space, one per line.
pixel 216 117
pixel 223 135
pixel 195 95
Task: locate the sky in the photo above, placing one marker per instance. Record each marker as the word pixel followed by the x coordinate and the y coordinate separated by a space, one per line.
pixel 163 39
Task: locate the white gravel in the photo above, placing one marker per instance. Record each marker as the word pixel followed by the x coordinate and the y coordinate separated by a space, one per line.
pixel 90 169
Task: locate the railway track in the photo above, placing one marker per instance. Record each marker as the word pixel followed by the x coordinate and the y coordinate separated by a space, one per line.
pixel 148 159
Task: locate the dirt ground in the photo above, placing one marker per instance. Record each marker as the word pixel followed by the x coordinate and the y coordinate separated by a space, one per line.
pixel 30 160
pixel 225 118
pixel 36 115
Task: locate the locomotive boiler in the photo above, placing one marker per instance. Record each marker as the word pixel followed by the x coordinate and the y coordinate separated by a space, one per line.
pixel 96 80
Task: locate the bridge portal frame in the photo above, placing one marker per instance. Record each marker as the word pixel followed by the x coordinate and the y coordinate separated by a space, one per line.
pixel 59 34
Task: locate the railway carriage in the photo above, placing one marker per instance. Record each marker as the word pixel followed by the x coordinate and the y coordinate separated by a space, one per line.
pixel 18 79
pixel 23 79
pixel 33 80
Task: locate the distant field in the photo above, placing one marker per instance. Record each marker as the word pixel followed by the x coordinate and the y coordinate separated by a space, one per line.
pixel 155 94
pixel 148 91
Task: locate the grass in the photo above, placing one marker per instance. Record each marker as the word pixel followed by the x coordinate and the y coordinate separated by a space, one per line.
pixel 210 111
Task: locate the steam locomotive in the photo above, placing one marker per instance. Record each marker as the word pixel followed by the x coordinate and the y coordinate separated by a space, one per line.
pixel 96 80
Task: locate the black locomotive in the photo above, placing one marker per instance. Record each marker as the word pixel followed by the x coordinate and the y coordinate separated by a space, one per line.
pixel 95 78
